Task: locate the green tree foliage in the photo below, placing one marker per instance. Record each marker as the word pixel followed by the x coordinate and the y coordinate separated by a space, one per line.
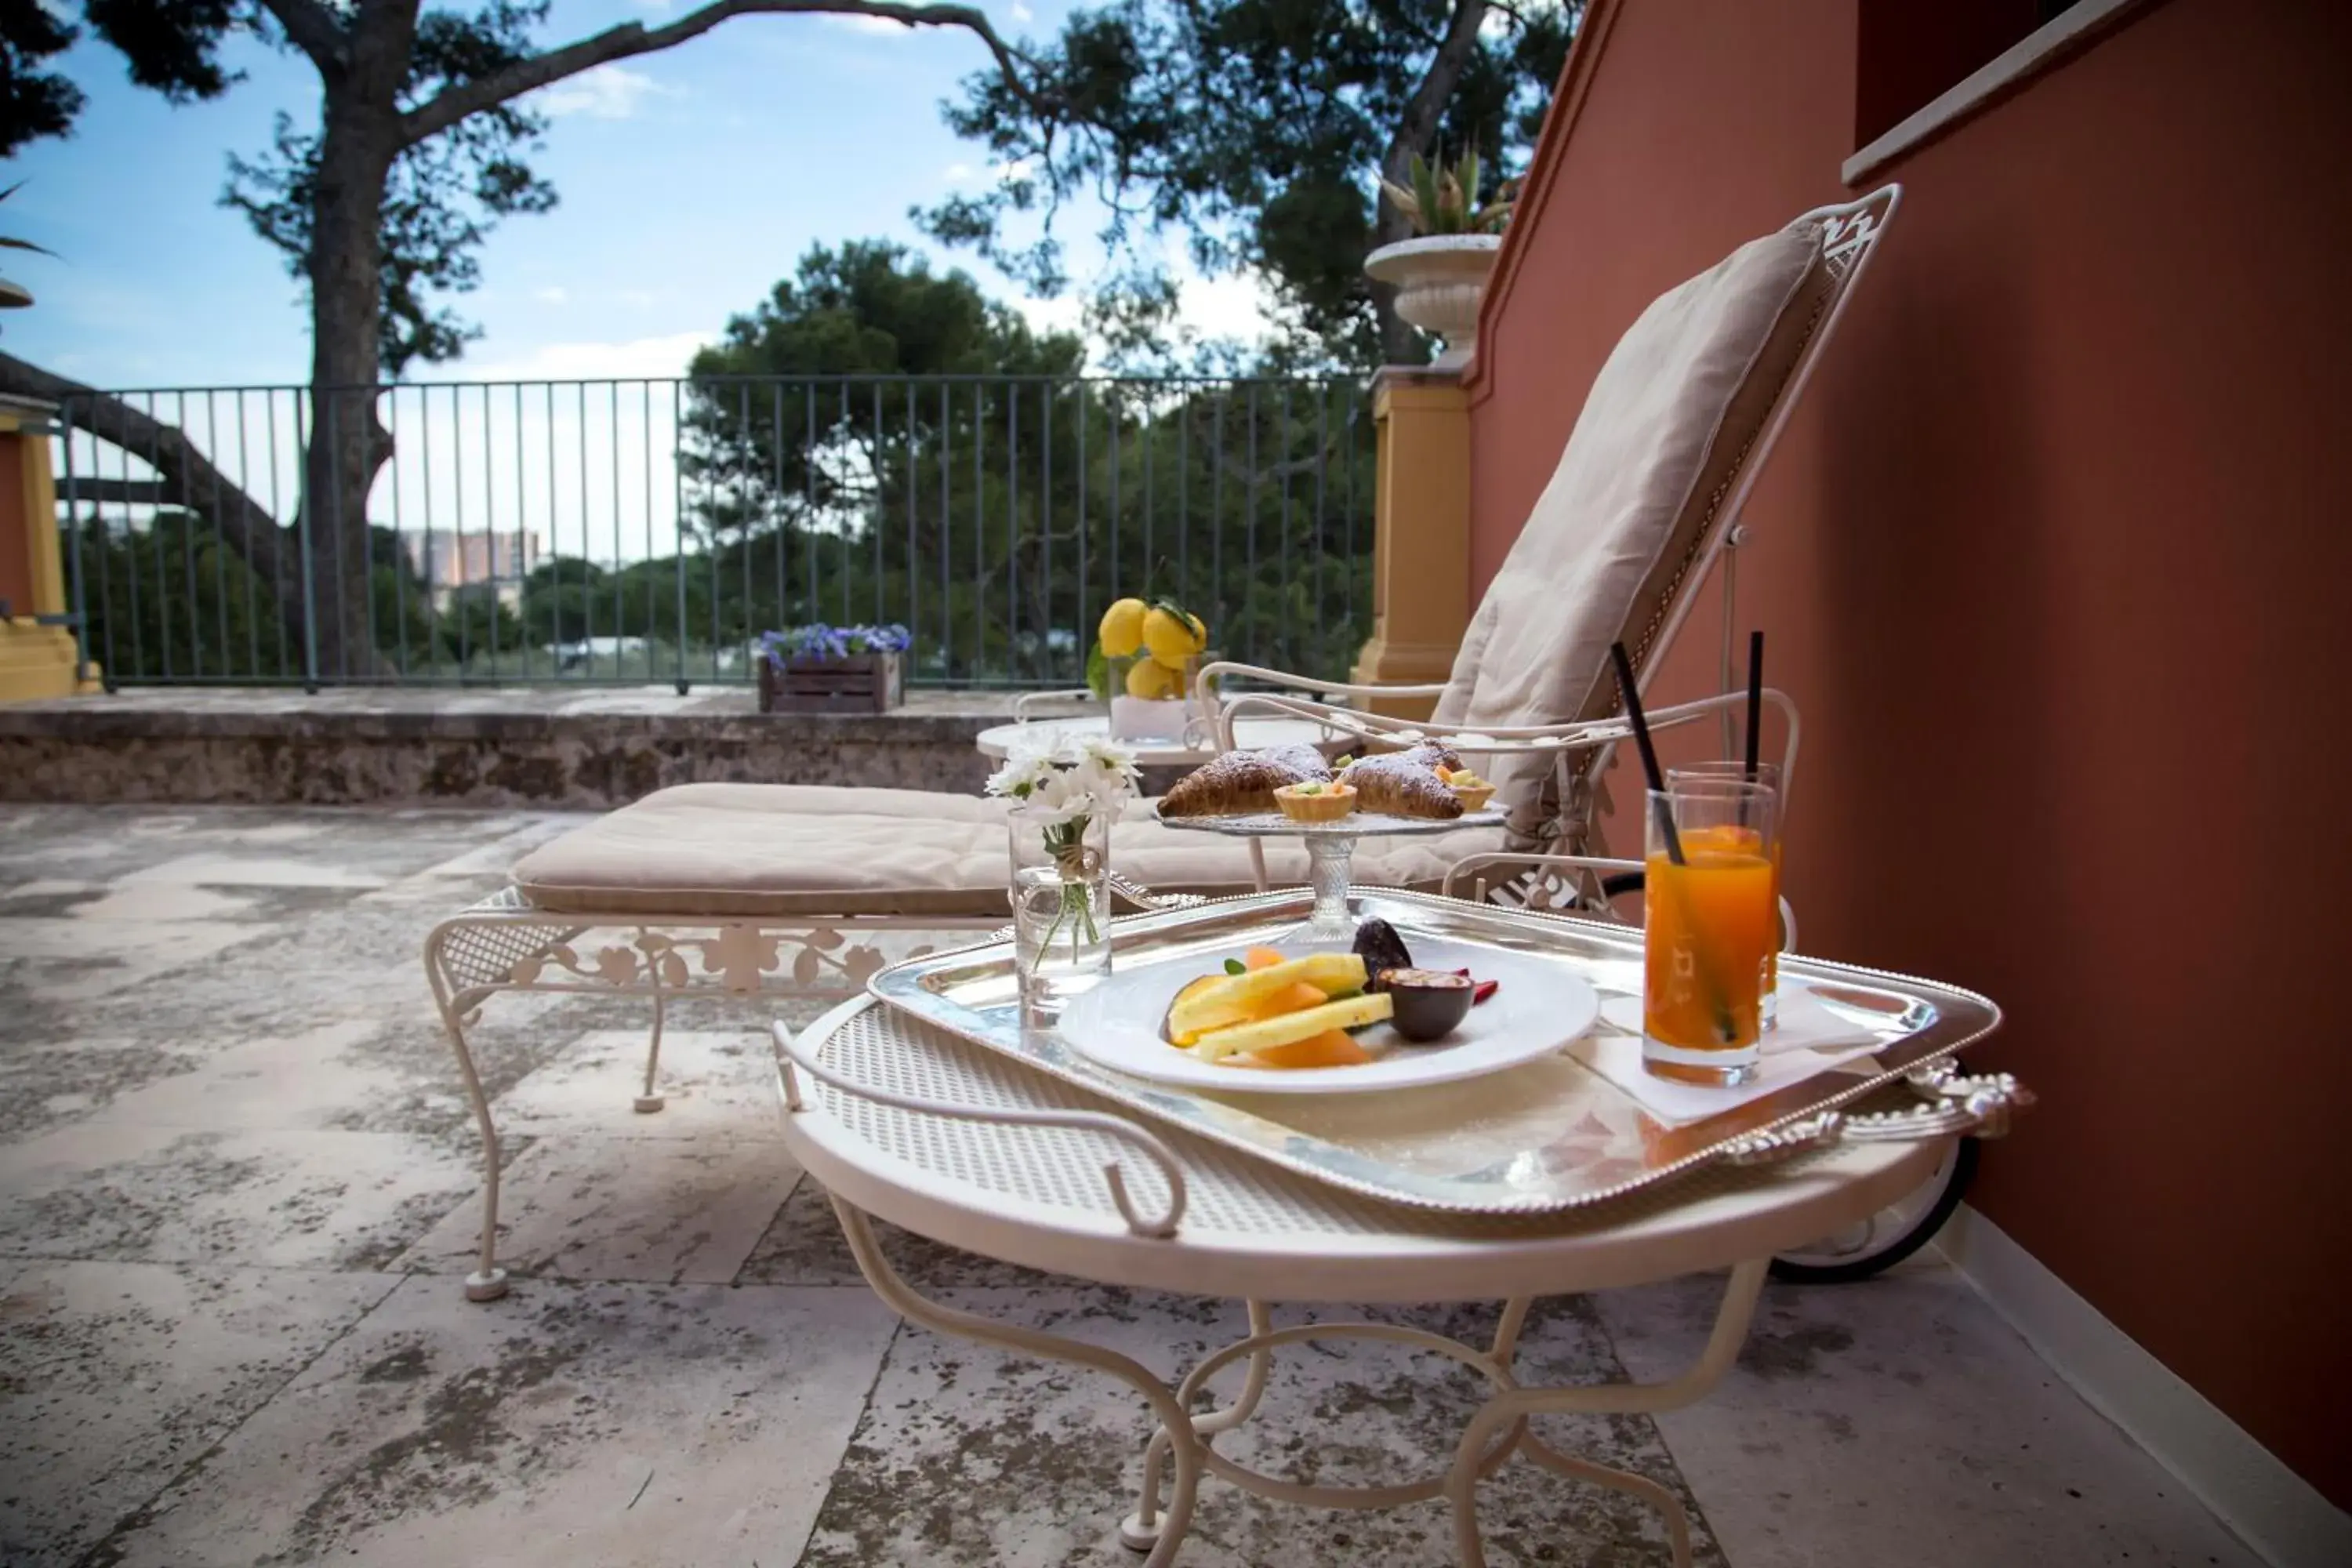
pixel 876 441
pixel 418 149
pixel 1256 128
pixel 172 599
pixel 34 101
pixel 443 196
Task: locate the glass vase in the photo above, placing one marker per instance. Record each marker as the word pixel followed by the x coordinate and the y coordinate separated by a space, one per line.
pixel 1060 892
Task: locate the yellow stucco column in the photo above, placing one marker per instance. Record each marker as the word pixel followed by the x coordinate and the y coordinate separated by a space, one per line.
pixel 38 657
pixel 1421 552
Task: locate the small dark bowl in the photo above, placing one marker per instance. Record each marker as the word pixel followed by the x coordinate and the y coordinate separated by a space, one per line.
pixel 1430 1003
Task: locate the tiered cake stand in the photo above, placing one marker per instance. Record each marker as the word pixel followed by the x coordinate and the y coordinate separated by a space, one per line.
pixel 1330 853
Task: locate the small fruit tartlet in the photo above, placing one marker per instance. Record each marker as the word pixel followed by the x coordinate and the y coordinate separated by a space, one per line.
pixel 1472 791
pixel 1315 801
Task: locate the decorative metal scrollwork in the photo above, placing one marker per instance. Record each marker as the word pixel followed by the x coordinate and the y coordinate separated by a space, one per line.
pixel 743 958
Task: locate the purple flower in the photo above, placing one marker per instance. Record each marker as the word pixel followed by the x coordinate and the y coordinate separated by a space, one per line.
pixel 818 640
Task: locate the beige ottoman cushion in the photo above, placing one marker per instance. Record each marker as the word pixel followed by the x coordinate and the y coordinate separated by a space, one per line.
pixel 798 850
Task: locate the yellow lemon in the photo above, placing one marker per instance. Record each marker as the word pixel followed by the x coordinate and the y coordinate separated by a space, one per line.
pixel 1122 629
pixel 1153 681
pixel 1172 641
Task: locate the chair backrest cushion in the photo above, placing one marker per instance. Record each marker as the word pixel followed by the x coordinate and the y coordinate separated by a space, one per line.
pixel 1664 429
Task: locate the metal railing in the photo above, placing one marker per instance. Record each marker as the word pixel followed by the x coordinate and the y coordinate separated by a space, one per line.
pixel 633 530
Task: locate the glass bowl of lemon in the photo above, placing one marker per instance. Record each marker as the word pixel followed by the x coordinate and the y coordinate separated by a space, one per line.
pixel 1147 653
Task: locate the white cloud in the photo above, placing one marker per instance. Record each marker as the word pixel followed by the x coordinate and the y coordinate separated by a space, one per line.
pixel 862 24
pixel 1022 13
pixel 658 357
pixel 1066 312
pixel 1235 308
pixel 958 174
pixel 555 295
pixel 608 92
pixel 1230 306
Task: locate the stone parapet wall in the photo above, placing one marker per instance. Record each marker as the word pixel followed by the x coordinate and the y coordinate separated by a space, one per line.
pixel 469 748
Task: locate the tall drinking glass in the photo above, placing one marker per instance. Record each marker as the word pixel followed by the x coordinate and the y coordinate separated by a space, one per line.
pixel 1768 774
pixel 1708 919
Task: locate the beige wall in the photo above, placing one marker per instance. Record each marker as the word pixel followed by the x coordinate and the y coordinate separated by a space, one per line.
pixel 2056 559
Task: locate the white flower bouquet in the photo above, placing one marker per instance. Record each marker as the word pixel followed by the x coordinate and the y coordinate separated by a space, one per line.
pixel 1069 788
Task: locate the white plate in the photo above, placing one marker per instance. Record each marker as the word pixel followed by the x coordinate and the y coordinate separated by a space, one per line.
pixel 1539 1007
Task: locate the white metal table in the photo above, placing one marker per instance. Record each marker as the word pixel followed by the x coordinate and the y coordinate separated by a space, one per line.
pixel 1248 734
pixel 905 1122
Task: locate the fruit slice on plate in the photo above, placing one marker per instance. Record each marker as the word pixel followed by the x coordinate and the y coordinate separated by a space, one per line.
pixel 1230 999
pixel 1290 998
pixel 1331 1049
pixel 1290 1027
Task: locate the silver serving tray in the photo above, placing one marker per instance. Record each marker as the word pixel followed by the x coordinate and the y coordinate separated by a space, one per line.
pixel 1546 1136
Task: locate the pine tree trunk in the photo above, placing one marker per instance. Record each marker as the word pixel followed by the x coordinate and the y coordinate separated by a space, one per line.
pixel 348 444
pixel 1416 130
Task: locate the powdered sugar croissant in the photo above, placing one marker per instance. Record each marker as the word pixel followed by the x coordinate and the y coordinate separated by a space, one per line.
pixel 1405 784
pixel 1243 782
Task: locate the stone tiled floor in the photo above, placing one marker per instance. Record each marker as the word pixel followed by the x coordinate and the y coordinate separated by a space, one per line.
pixel 238 1179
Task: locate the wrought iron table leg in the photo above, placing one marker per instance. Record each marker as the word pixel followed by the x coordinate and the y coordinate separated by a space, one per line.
pixel 1141 1528
pixel 1517 1405
pixel 649 1102
pixel 1499 1428
pixel 488 1281
pixel 902 1298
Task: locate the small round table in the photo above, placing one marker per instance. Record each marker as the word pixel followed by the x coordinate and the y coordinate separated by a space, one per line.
pixel 1248 734
pixel 905 1121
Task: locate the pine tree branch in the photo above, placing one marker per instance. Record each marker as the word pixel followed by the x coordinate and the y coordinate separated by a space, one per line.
pixel 314 30
pixel 1427 104
pixel 259 538
pixel 630 39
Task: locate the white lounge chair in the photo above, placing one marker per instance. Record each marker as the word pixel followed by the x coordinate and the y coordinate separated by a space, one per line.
pixel 751 890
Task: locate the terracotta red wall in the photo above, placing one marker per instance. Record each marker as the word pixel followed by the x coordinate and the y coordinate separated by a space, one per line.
pixel 16 560
pixel 2057 561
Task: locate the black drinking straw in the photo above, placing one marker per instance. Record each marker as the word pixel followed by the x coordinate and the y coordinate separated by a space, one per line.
pixel 1665 813
pixel 1755 697
pixel 1649 754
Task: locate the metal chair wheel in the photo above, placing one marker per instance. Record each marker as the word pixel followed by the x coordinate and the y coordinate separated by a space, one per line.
pixel 1890 1236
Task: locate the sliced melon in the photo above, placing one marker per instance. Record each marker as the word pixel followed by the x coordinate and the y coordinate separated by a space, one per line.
pixel 1232 999
pixel 1331 1049
pixel 1304 1025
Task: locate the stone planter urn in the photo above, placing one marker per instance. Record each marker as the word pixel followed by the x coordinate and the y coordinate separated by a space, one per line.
pixel 1439 280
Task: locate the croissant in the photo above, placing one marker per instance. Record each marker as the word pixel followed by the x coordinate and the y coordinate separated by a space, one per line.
pixel 1243 782
pixel 1405 784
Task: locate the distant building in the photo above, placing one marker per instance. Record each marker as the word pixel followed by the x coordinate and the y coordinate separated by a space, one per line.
pixel 448 561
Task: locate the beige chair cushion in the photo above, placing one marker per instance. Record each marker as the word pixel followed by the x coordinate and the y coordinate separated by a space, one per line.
pixel 1664 428
pixel 791 850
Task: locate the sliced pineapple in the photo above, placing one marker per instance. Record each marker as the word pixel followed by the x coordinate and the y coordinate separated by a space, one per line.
pixel 1191 988
pixel 1303 1025
pixel 1231 999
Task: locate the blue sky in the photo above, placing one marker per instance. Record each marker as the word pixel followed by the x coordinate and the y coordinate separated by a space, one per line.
pixel 690 181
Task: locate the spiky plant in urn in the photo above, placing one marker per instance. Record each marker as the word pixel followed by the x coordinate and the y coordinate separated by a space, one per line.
pixel 1440 274
pixel 15 296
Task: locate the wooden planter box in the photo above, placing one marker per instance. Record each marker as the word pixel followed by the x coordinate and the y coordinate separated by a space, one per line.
pixel 862 683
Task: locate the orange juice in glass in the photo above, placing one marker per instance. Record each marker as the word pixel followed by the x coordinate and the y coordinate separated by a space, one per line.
pixel 1768 775
pixel 1708 919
